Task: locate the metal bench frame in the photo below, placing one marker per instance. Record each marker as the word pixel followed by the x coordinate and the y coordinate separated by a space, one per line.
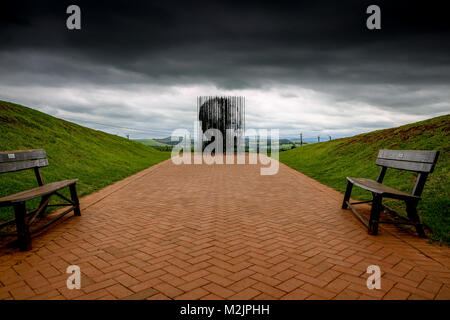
pixel 422 162
pixel 12 161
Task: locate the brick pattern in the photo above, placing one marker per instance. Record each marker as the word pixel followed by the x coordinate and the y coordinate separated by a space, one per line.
pixel 171 232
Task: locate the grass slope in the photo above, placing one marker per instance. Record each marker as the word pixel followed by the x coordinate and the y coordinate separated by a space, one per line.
pixel 330 162
pixel 98 159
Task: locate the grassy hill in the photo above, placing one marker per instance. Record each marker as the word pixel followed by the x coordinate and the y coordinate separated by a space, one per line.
pixel 330 162
pixel 98 159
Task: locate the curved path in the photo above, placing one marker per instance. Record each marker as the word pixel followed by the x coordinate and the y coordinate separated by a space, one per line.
pixel 222 232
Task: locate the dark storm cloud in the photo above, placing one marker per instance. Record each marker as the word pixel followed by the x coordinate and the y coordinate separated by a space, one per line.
pixel 319 45
pixel 236 43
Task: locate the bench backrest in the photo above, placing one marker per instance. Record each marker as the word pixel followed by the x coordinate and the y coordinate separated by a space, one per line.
pixel 411 160
pixel 11 161
pixel 421 161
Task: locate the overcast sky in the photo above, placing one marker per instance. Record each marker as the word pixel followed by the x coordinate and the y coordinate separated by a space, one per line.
pixel 303 66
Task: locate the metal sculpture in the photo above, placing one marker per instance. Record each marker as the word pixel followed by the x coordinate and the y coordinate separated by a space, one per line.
pixel 226 114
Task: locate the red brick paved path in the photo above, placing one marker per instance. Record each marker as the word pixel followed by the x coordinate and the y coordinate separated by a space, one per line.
pixel 171 232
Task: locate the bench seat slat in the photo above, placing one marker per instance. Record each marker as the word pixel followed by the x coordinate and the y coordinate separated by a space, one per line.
pixel 36 192
pixel 376 187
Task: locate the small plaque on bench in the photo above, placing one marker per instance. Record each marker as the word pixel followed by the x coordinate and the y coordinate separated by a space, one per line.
pixel 11 156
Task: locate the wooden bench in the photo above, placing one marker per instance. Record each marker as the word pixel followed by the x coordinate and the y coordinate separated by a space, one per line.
pixel 422 162
pixel 11 161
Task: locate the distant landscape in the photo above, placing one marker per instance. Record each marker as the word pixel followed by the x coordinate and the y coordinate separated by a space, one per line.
pixel 99 159
pixel 166 144
pixel 154 143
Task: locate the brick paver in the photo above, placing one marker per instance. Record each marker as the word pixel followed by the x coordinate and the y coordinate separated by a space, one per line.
pixel 222 232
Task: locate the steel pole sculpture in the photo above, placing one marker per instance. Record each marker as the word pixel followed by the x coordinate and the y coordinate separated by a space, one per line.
pixel 224 113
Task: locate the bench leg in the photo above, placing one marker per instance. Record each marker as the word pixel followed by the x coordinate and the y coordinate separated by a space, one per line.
pixel 43 200
pixel 375 215
pixel 23 232
pixel 74 196
pixel 348 192
pixel 411 210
